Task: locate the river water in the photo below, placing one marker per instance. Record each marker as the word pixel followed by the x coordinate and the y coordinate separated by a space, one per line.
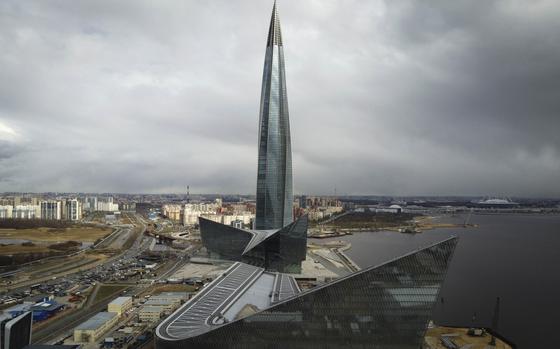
pixel 514 257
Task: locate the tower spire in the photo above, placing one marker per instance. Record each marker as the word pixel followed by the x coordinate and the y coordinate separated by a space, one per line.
pixel 274 33
pixel 274 176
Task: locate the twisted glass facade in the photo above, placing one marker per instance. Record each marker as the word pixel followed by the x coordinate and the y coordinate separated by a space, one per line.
pixel 274 175
pixel 383 307
pixel 223 241
pixel 280 250
pixel 283 251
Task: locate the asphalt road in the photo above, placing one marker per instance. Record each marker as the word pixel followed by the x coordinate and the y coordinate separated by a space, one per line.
pixel 66 323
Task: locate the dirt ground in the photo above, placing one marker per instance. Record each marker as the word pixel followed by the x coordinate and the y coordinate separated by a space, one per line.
pixel 18 249
pixel 85 234
pixel 173 288
pixel 460 337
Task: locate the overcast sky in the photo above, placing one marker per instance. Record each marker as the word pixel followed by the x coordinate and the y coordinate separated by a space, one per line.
pixel 386 97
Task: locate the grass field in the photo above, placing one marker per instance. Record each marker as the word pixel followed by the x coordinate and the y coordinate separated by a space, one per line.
pixel 82 234
pixel 369 220
pixel 106 291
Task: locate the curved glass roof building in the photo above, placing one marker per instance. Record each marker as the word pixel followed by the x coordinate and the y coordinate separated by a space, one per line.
pixel 387 306
pixel 274 177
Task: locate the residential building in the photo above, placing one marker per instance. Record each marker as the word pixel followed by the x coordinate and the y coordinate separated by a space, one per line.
pixel 120 305
pixel 90 203
pixel 91 330
pixel 167 305
pixel 51 210
pixel 194 210
pixel 151 313
pixel 26 212
pixel 172 212
pixel 6 211
pixel 237 224
pixel 172 296
pixel 73 211
pixel 127 207
pixel 106 204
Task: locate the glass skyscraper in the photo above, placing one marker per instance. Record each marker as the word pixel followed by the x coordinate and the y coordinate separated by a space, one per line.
pixel 274 177
pixel 276 242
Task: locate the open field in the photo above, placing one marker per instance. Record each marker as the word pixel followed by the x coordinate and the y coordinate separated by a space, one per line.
pixel 17 249
pixel 427 222
pixel 371 221
pixel 69 265
pixel 366 221
pixel 106 291
pixel 77 233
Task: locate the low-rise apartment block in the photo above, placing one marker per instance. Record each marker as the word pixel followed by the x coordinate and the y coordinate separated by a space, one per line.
pixel 92 330
pixel 120 305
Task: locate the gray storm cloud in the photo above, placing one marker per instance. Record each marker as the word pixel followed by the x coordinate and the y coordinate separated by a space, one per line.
pixel 386 97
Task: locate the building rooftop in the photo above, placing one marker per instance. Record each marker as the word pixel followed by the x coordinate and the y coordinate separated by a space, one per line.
pixel 121 300
pixel 225 298
pixel 96 321
pixel 46 306
pixel 152 308
pixel 172 294
pixel 246 316
pixel 161 301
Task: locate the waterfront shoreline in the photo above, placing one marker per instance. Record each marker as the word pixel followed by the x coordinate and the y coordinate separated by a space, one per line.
pixel 422 223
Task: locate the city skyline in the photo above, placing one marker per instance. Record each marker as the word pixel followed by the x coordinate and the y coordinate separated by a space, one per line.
pixel 390 98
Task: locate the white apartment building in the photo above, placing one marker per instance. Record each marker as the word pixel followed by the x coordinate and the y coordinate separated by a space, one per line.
pixel 120 305
pixel 228 219
pixel 245 217
pixel 6 211
pixel 195 210
pixel 315 215
pixel 107 205
pixel 93 329
pixel 173 212
pixel 90 203
pixel 151 313
pixel 319 213
pixel 73 211
pixel 26 212
pixel 51 210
